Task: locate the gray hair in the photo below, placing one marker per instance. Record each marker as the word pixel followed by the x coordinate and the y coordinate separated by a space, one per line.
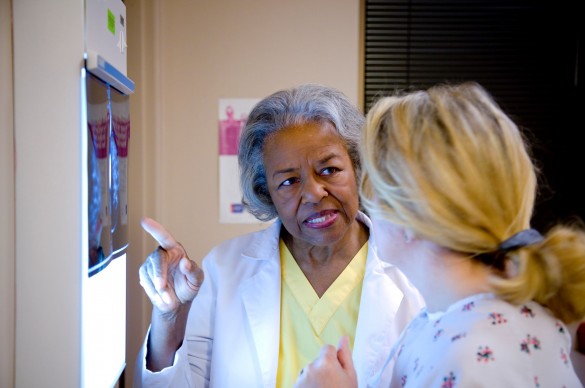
pixel 283 109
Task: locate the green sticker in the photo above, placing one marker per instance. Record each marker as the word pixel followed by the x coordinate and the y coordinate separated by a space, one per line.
pixel 111 22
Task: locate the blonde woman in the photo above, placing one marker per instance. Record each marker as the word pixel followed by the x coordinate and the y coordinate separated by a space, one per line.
pixel 450 187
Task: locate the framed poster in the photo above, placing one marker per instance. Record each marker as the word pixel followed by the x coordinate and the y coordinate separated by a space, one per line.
pixel 233 114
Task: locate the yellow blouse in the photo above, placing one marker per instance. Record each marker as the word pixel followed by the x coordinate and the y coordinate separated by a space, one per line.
pixel 307 322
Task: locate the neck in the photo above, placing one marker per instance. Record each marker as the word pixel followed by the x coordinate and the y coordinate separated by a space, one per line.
pixel 444 277
pixel 323 264
pixel 343 250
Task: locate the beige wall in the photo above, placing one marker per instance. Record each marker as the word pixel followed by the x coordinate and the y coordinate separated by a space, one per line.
pixel 203 51
pixel 186 55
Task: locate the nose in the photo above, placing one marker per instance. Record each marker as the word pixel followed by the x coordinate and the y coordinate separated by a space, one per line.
pixel 313 190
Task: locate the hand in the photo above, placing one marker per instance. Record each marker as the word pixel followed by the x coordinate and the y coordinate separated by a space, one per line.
pixel 332 368
pixel 169 278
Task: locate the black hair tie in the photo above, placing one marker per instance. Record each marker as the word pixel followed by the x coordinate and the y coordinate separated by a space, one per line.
pixel 521 239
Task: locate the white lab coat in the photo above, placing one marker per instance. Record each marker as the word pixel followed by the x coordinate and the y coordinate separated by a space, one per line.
pixel 236 317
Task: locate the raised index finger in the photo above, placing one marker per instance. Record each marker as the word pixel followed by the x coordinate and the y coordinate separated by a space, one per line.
pixel 159 233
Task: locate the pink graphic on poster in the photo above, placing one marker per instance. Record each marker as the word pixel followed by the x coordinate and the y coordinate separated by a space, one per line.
pixel 233 114
pixel 229 130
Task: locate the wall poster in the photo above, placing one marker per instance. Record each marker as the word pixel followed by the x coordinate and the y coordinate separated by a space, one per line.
pixel 233 114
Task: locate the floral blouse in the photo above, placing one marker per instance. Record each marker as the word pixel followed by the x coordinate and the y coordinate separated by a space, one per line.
pixel 482 341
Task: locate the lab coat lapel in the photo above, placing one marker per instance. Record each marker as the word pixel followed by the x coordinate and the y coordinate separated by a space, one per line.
pixel 376 332
pixel 261 299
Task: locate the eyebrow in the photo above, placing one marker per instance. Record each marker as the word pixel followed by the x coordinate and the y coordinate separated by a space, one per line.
pixel 323 160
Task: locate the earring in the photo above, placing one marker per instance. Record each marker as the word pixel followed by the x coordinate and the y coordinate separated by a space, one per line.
pixel 407 237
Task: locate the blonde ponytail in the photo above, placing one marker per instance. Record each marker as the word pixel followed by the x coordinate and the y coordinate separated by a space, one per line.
pixel 551 273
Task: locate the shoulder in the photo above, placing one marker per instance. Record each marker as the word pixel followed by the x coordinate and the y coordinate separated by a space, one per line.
pixel 268 234
pixel 245 249
pixel 501 342
pixel 502 322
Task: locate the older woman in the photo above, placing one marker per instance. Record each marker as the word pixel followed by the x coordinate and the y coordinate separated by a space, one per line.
pixel 271 299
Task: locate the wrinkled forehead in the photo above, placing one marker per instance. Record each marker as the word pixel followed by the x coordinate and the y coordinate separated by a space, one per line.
pixel 309 134
pixel 307 128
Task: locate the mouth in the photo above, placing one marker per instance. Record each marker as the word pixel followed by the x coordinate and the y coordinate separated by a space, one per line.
pixel 321 220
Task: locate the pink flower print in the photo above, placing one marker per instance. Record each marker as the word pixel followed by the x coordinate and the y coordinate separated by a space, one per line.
pixel 458 337
pixel 564 357
pixel 468 306
pixel 535 343
pixel 497 318
pixel 528 342
pixel 527 312
pixel 438 334
pixel 536 383
pixel 485 354
pixel 403 380
pixel 449 381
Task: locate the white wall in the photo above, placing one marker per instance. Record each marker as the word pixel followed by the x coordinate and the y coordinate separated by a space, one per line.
pixel 48 57
pixel 6 201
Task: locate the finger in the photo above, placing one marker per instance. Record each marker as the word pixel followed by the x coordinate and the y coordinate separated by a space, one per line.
pixel 149 289
pixel 192 272
pixel 327 351
pixel 159 233
pixel 157 278
pixel 344 353
pixel 157 267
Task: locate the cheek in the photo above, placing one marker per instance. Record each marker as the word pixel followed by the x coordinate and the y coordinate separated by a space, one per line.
pixel 283 208
pixel 348 194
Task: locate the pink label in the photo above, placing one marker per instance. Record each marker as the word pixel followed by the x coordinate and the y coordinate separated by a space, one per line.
pixel 100 131
pixel 121 135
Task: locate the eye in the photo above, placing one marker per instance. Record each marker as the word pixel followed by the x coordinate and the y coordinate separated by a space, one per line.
pixel 288 182
pixel 329 170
